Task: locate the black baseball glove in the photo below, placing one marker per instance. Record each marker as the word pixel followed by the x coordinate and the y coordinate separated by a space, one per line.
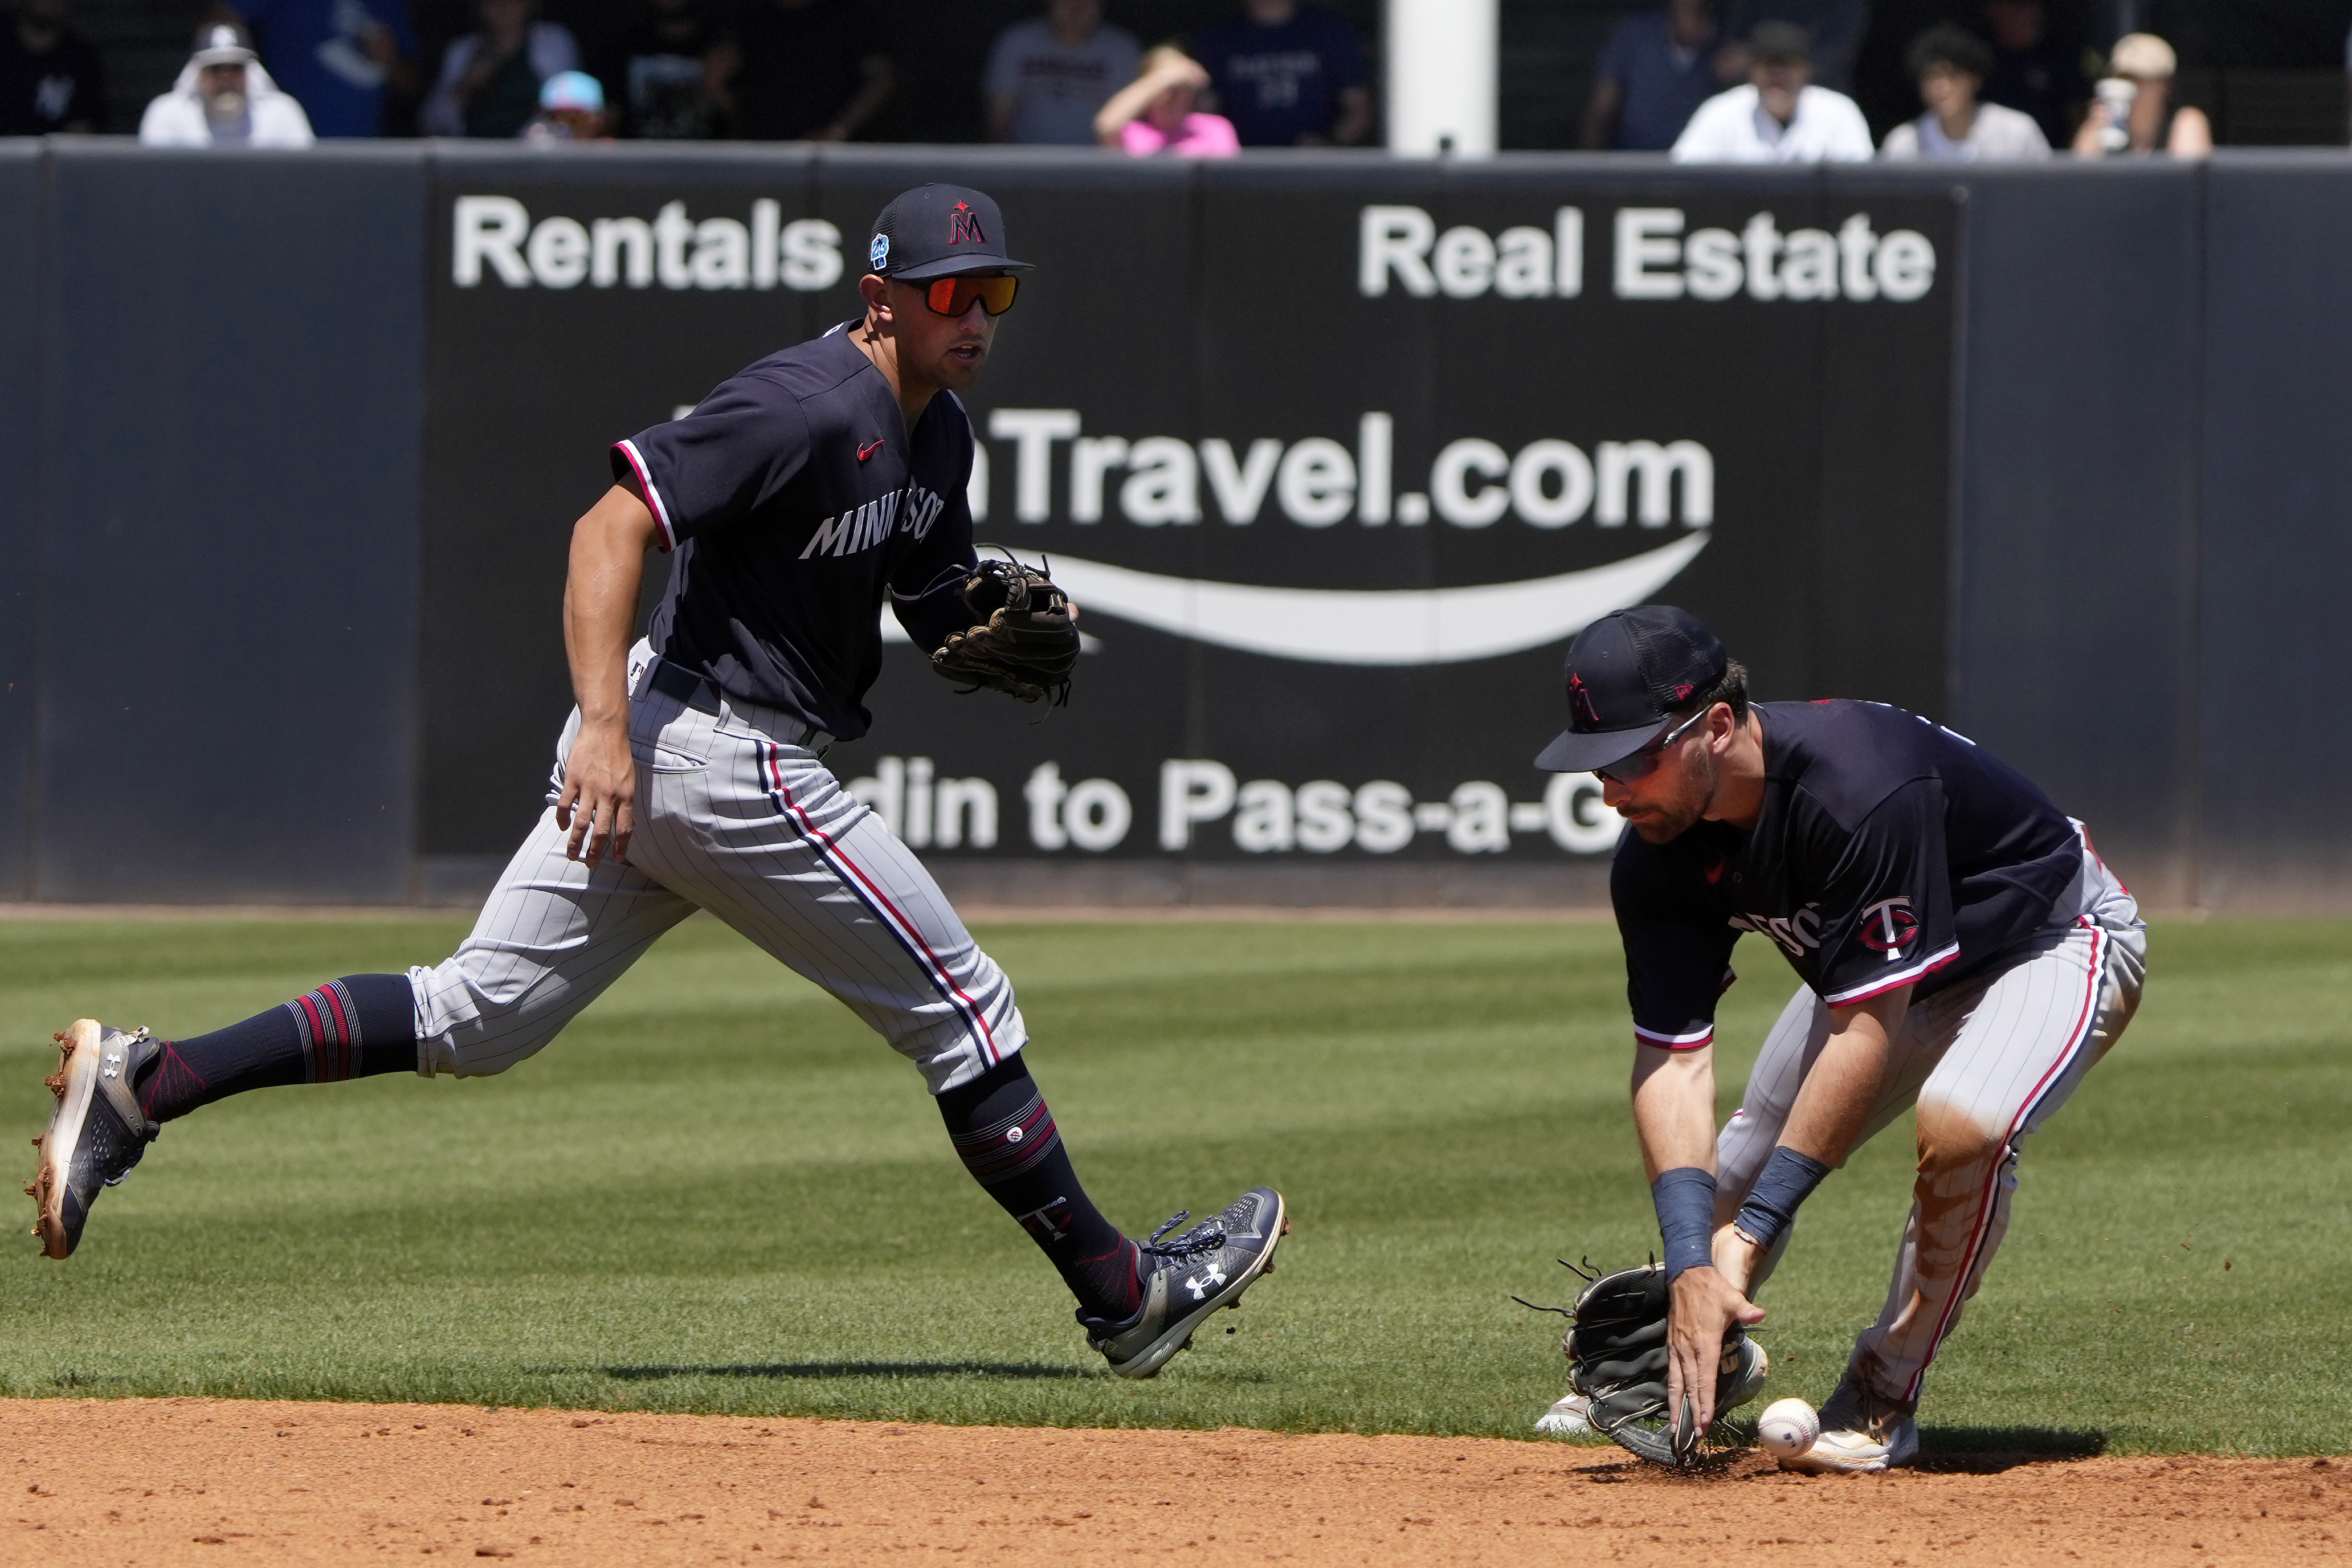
pixel 1022 641
pixel 1617 1358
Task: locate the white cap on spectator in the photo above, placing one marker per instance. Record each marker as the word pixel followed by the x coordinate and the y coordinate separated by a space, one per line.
pixel 2144 56
pixel 224 43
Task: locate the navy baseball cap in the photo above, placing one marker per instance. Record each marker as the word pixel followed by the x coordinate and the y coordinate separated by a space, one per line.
pixel 939 231
pixel 1627 674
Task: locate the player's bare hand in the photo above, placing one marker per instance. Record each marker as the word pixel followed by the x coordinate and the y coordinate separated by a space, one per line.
pixel 598 805
pixel 1705 1304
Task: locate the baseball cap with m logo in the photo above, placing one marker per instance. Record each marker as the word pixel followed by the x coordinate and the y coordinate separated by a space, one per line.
pixel 939 231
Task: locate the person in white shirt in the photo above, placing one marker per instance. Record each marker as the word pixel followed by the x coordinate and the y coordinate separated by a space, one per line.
pixel 224 98
pixel 1779 117
pixel 1047 76
pixel 1950 65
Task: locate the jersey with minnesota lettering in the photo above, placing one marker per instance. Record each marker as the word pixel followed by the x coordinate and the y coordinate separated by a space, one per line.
pixel 793 500
pixel 1889 852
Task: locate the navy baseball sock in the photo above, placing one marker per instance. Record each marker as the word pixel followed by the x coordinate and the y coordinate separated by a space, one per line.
pixel 1007 1140
pixel 352 1027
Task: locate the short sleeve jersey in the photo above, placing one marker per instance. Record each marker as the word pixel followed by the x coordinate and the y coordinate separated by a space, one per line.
pixel 1889 852
pixel 1660 86
pixel 317 51
pixel 793 500
pixel 45 92
pixel 1278 84
pixel 1056 87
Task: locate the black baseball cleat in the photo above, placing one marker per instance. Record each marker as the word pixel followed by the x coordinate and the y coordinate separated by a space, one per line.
pixel 1185 1280
pixel 96 1133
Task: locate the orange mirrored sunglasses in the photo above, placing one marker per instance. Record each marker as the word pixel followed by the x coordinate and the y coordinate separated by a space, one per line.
pixel 953 296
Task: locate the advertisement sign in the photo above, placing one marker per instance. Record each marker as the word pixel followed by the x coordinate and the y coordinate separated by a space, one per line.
pixel 1334 464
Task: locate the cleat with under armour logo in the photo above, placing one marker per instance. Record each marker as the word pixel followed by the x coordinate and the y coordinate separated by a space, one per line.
pixel 1185 1280
pixel 96 1133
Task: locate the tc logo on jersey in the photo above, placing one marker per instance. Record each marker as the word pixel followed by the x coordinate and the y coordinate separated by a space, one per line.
pixel 1888 927
pixel 967 230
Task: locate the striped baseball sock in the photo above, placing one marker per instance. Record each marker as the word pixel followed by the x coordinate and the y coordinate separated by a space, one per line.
pixel 1007 1140
pixel 352 1027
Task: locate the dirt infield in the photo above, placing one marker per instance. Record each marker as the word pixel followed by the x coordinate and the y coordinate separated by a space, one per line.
pixel 154 1481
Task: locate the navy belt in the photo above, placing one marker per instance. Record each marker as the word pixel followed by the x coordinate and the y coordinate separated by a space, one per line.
pixel 683 685
pixel 675 680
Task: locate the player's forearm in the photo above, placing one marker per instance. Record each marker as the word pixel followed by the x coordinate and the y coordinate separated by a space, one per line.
pixel 1355 116
pixel 1674 1107
pixel 1845 1079
pixel 1128 103
pixel 600 602
pixel 1601 116
pixel 880 81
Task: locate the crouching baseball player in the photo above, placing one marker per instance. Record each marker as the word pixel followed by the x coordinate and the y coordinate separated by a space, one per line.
pixel 793 501
pixel 1962 949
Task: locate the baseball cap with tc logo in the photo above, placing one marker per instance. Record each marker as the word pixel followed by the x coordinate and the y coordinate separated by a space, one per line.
pixel 1630 675
pixel 939 231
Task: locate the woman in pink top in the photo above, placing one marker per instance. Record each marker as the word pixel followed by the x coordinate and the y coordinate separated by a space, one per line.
pixel 1154 112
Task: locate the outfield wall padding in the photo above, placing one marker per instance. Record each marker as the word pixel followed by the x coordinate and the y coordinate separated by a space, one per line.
pixel 231 378
pixel 20 410
pixel 292 541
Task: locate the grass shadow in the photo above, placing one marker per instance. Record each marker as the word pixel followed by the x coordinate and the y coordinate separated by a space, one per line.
pixel 1989 1450
pixel 1006 1371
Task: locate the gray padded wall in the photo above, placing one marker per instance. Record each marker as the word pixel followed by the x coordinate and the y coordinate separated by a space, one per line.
pixel 20 172
pixel 2277 556
pixel 2073 622
pixel 234 347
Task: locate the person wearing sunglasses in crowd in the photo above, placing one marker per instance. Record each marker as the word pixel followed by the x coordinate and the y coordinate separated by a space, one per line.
pixel 795 502
pixel 1961 949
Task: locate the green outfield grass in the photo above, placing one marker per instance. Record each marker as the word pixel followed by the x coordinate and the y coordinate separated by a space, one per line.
pixel 717 1193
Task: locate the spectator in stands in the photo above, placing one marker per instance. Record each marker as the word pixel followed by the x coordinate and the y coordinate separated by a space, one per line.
pixel 656 72
pixel 1288 75
pixel 1949 63
pixel 1657 67
pixel 571 108
pixel 336 58
pixel 2034 72
pixel 50 75
pixel 2142 63
pixel 1156 112
pixel 490 79
pixel 1777 116
pixel 224 98
pixel 1047 76
pixel 815 70
pixel 1833 30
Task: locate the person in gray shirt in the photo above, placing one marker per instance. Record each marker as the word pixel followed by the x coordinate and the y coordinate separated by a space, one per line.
pixel 1047 76
pixel 1950 65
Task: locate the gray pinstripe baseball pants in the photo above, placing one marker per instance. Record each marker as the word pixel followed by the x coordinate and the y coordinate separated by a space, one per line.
pixel 734 816
pixel 1985 1062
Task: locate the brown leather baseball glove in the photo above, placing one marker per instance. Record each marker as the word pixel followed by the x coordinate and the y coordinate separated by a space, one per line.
pixel 1023 640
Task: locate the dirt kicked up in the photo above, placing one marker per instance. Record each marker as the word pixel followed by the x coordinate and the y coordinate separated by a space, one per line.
pixel 167 1482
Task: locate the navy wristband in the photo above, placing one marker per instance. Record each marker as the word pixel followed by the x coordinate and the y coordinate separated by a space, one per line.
pixel 1789 1179
pixel 1685 1203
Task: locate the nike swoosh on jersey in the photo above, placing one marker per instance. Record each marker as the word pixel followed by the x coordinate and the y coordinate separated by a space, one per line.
pixel 868 449
pixel 1374 626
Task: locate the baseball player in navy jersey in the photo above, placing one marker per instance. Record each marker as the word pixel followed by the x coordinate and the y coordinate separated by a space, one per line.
pixel 793 503
pixel 1961 951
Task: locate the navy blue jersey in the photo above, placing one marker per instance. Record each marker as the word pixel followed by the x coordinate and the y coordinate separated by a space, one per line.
pixel 1889 852
pixel 792 500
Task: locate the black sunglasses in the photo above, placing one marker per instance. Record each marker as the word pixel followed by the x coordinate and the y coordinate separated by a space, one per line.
pixel 1644 763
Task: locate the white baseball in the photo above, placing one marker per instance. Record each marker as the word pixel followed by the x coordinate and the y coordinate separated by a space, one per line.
pixel 1788 1427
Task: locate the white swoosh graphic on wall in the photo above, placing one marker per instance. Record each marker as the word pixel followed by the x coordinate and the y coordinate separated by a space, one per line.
pixel 1382 626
